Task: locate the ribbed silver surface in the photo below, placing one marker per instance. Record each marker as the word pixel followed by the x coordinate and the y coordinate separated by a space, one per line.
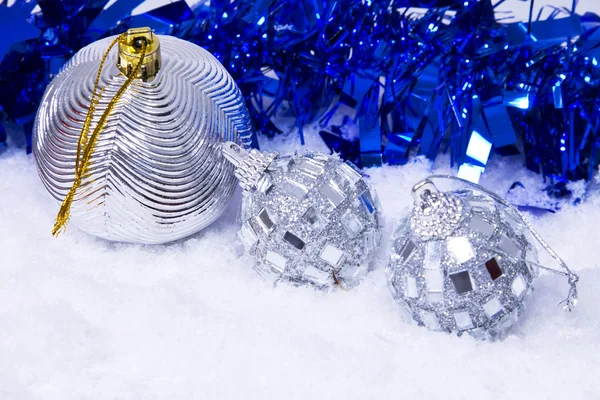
pixel 157 173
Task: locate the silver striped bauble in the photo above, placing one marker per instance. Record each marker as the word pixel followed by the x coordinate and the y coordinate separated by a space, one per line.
pixel 156 174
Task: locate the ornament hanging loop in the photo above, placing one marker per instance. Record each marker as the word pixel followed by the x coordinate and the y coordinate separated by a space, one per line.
pixel 422 192
pixel 87 142
pixel 571 301
pixel 250 166
pixel 234 153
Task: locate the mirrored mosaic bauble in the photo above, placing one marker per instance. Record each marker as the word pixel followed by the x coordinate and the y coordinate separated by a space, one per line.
pixel 311 219
pixel 464 264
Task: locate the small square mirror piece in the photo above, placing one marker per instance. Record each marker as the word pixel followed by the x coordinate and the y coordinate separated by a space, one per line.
pixel 518 286
pixel 264 184
pixel 314 219
pixel 295 190
pixel 331 255
pixel 482 205
pixel 247 203
pixel 319 157
pixel 463 320
pixel 247 234
pixel 434 280
pixel 351 224
pixel 508 320
pixel 410 288
pixel 509 247
pixel 371 240
pixel 430 320
pixel 349 173
pixel 481 226
pixel 460 249
pixel 407 251
pixel 276 260
pixel 264 220
pixel 316 275
pixel 462 282
pixel 310 168
pixel 493 268
pixel 332 192
pixel 294 240
pixel 492 306
pixel 367 202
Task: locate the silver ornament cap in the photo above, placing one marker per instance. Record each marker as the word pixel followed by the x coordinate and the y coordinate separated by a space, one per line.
pixel 309 219
pixel 156 173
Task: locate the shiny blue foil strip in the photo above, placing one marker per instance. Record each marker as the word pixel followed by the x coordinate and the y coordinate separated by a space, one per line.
pixel 410 82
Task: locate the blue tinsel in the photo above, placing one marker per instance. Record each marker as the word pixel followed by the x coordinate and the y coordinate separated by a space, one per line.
pixel 410 84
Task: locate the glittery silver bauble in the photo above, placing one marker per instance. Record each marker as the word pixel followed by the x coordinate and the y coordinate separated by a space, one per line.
pixel 462 262
pixel 306 218
pixel 157 173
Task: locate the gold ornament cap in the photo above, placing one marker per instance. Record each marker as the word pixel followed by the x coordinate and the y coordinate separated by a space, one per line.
pixel 131 46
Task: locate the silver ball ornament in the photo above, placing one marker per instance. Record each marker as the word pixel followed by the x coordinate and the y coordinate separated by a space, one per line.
pixel 462 262
pixel 156 173
pixel 306 218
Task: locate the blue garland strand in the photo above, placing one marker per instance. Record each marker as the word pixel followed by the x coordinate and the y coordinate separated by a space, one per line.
pixel 408 84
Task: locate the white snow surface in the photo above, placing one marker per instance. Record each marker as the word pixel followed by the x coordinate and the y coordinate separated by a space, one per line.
pixel 82 318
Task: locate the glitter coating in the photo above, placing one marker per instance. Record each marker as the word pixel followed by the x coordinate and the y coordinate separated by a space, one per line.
pixel 441 277
pixel 319 215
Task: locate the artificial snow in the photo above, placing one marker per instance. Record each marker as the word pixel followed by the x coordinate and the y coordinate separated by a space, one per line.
pixel 82 318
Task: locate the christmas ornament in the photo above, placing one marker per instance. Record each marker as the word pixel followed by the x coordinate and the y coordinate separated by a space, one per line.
pixel 132 150
pixel 464 261
pixel 306 218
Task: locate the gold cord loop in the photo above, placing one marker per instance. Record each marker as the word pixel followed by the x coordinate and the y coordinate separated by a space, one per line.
pixel 572 278
pixel 85 145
